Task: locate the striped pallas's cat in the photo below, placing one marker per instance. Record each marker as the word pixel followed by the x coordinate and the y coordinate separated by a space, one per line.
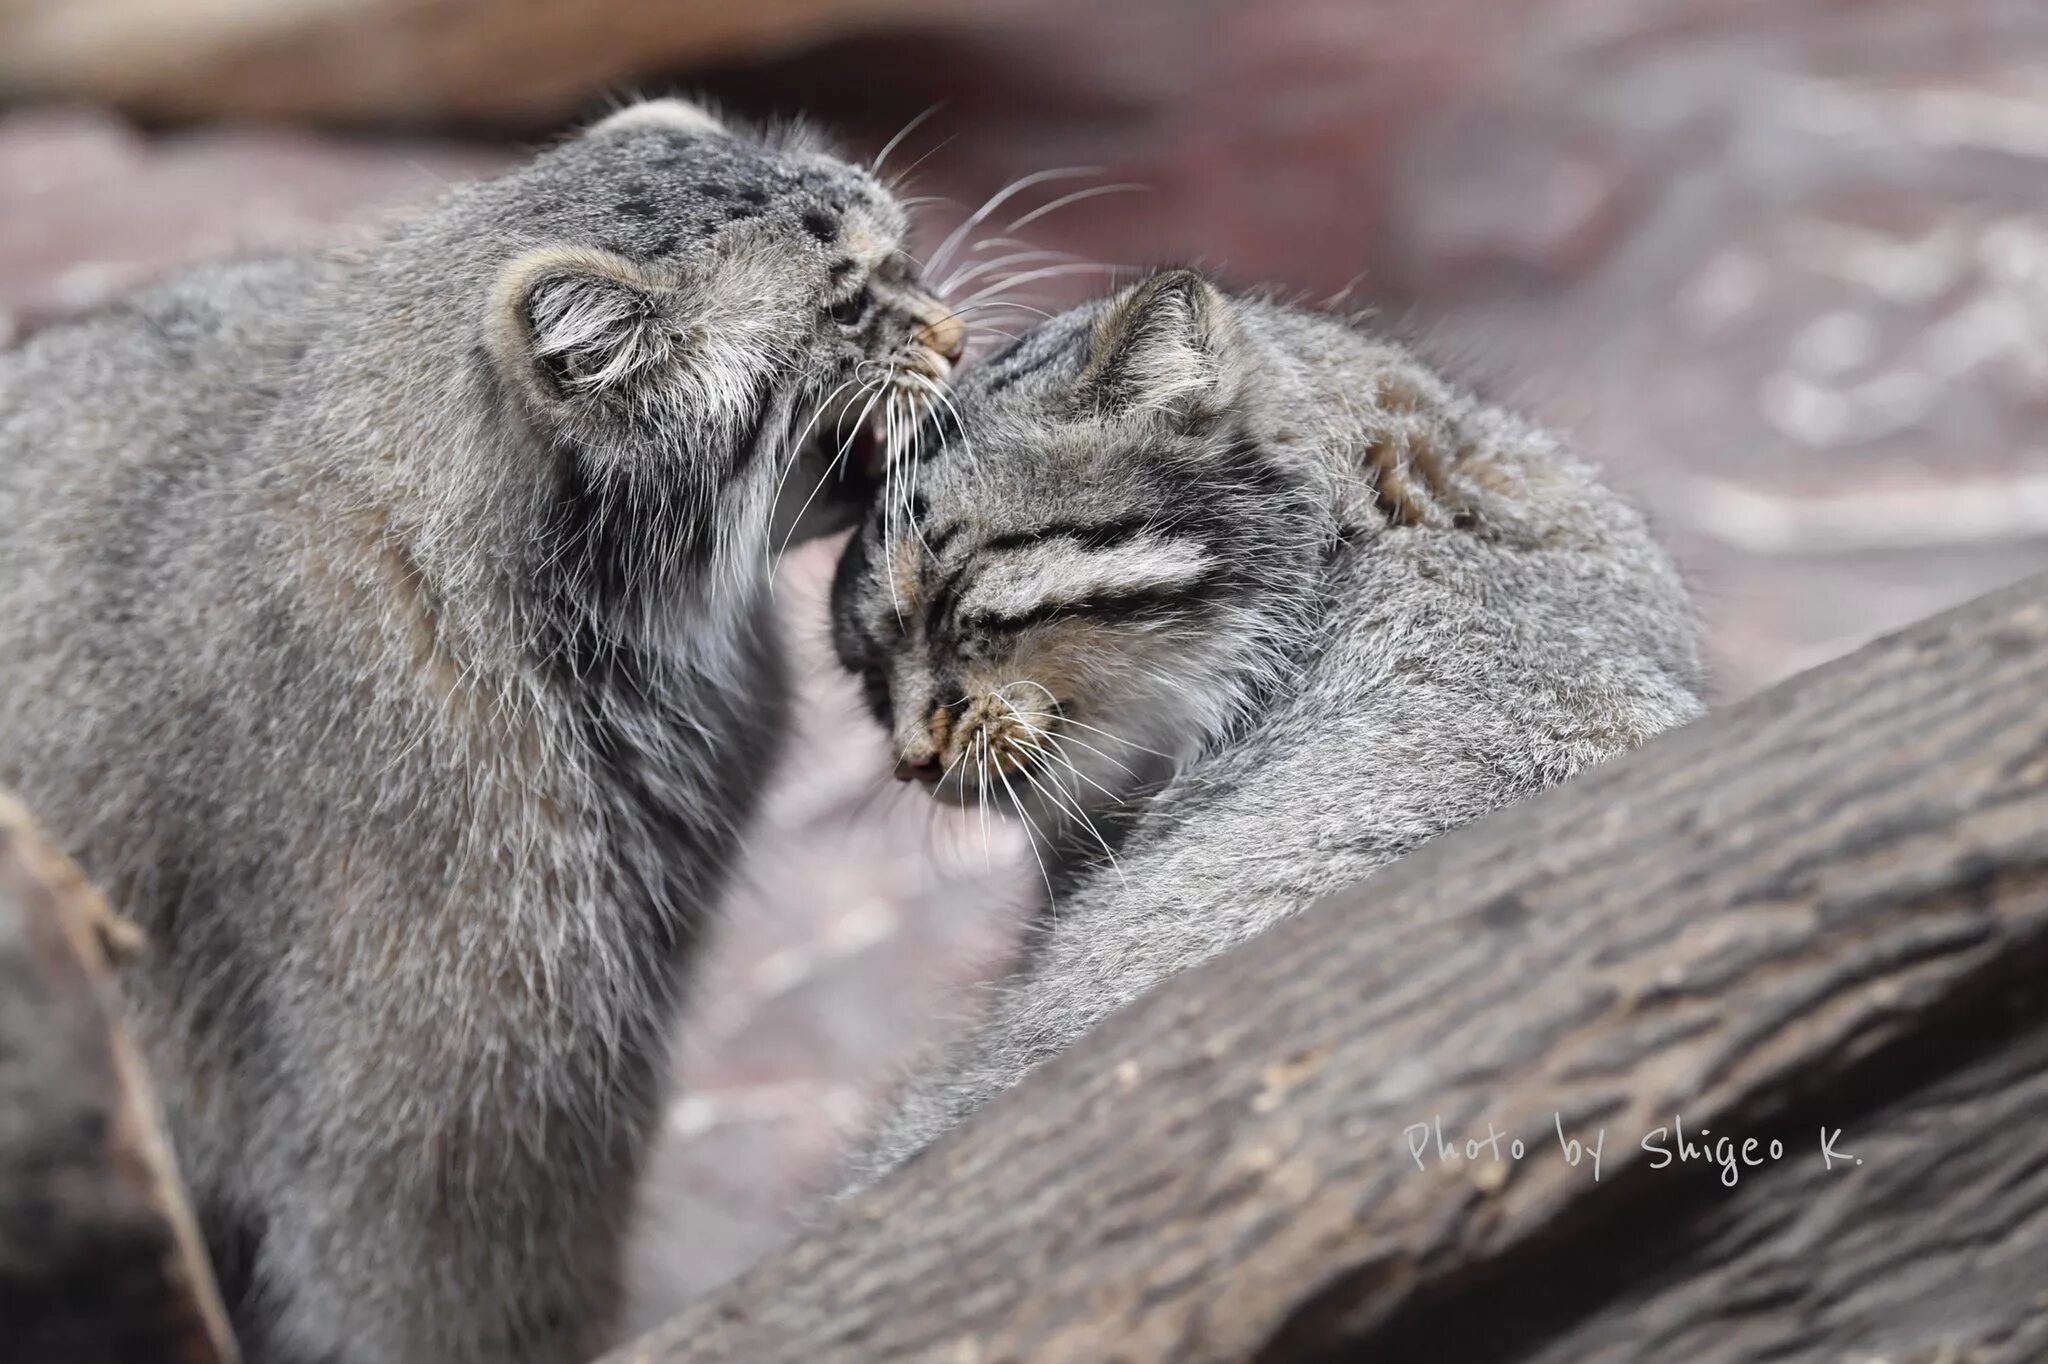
pixel 1233 603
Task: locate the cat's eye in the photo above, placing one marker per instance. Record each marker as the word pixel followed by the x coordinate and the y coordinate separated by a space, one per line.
pixel 849 312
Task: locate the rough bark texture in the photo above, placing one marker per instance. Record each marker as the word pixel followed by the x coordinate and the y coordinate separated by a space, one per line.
pixel 1824 909
pixel 100 1262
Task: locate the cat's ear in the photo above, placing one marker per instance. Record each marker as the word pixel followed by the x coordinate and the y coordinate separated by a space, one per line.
pixel 676 115
pixel 604 345
pixel 587 324
pixel 1167 346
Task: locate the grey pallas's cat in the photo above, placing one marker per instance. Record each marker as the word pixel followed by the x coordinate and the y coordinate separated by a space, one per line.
pixel 384 631
pixel 1233 603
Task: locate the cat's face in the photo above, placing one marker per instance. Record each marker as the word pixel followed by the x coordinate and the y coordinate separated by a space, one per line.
pixel 1077 589
pixel 708 305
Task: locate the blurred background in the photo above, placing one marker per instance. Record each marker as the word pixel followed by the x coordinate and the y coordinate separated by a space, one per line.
pixel 1780 265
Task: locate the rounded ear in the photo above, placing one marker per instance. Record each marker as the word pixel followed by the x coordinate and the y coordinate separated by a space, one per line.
pixel 623 354
pixel 580 324
pixel 677 114
pixel 1167 346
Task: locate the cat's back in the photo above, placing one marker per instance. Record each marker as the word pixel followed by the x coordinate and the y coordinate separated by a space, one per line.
pixel 1453 670
pixel 119 431
pixel 171 376
pixel 130 463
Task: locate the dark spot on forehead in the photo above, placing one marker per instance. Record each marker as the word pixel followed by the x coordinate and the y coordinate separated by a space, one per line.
pixel 636 207
pixel 820 224
pixel 664 246
pixel 840 270
pixel 714 190
pixel 739 213
pixel 754 195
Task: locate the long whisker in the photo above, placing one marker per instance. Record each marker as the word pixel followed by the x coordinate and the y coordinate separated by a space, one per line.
pixel 1093 192
pixel 1073 808
pixel 1065 802
pixel 795 450
pixel 938 394
pixel 981 792
pixel 900 176
pixel 875 166
pixel 837 460
pixel 1054 744
pixel 993 303
pixel 1048 741
pixel 997 200
pixel 1032 826
pixel 1046 272
pixel 1087 747
pixel 974 270
pixel 1118 738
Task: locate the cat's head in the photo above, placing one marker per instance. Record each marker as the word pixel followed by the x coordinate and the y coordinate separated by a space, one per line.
pixel 689 308
pixel 1101 566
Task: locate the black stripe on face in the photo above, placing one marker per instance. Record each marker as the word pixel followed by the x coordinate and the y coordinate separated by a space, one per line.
pixel 1095 535
pixel 935 541
pixel 1137 605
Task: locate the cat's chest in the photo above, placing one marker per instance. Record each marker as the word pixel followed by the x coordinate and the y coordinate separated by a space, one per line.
pixel 679 745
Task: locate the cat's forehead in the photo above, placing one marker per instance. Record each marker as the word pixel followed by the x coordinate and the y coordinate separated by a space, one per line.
pixel 1010 476
pixel 652 190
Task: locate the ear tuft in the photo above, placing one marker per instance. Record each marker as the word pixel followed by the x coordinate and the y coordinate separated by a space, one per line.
pixel 586 323
pixel 676 114
pixel 1161 347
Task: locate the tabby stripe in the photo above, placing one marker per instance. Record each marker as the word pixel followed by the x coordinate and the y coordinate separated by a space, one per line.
pixel 1003 379
pixel 935 541
pixel 1138 604
pixel 1095 535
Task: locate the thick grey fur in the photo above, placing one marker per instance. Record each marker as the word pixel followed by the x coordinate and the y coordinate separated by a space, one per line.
pixel 1303 605
pixel 384 632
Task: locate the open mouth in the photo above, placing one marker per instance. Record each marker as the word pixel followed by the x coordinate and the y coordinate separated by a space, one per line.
pixel 855 440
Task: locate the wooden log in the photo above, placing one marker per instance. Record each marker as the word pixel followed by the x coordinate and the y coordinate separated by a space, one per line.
pixel 505 63
pixel 100 1261
pixel 1821 911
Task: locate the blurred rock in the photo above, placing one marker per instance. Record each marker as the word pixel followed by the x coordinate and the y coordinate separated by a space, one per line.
pixel 502 62
pixel 92 208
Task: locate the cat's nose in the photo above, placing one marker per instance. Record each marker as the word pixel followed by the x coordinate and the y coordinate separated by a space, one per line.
pixel 939 328
pixel 926 770
pixel 946 336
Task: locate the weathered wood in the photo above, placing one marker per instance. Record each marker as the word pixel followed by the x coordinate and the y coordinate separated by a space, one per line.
pixel 1825 907
pixel 100 1262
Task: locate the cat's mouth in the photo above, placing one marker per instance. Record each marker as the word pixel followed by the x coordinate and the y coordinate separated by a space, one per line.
pixel 991 750
pixel 849 440
pixel 864 433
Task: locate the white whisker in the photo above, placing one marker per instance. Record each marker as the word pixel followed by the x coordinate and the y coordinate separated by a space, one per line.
pixel 997 200
pixel 1094 192
pixel 1045 272
pixel 875 166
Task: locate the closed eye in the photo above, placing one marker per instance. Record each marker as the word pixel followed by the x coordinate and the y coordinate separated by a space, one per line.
pixel 1143 575
pixel 1141 604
